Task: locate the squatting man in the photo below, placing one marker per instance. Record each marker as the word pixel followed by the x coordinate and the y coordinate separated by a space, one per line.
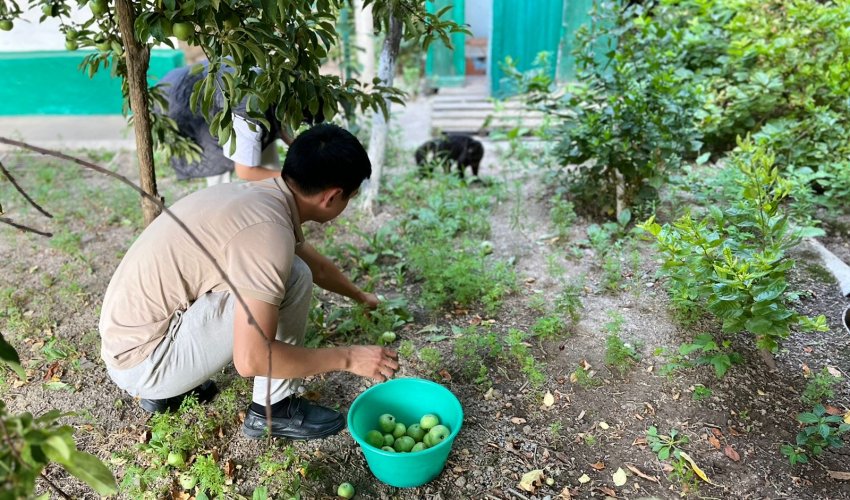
pixel 170 321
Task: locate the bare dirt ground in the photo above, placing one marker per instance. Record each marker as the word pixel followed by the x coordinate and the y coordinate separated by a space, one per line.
pixel 52 288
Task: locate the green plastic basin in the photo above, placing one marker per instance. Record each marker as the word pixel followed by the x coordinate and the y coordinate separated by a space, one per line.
pixel 408 399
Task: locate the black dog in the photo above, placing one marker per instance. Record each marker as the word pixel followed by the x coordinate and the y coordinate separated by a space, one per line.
pixel 460 149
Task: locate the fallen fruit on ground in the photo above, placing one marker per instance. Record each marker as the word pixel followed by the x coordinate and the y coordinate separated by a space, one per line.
pixel 188 481
pixel 388 337
pixel 345 490
pixel 175 459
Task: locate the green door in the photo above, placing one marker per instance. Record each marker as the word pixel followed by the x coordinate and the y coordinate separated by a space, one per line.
pixel 445 67
pixel 576 14
pixel 522 29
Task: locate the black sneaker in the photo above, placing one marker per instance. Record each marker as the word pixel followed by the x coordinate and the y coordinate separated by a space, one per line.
pixel 306 421
pixel 204 393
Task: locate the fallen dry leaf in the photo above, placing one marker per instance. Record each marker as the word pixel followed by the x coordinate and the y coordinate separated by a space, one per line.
pixel 839 475
pixel 699 472
pixel 807 372
pixel 598 465
pixel 714 442
pixel 835 372
pixel 584 479
pixel 640 473
pixel 608 491
pixel 584 364
pixel 548 399
pixel 580 416
pixel 573 378
pixel 619 477
pixel 716 433
pixel 180 495
pixel 832 410
pixel 808 349
pixel 230 468
pixel 639 442
pixel 731 453
pixel 676 395
pixel 531 480
pixel 604 426
pixel 447 377
pixel 847 418
pixel 565 494
pixel 518 420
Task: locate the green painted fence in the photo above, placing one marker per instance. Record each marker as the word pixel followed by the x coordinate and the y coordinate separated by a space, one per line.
pixel 51 83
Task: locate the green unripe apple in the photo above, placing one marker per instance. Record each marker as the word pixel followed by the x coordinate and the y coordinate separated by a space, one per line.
pixel 98 7
pixel 388 439
pixel 50 10
pixel 375 438
pixel 428 421
pixel 399 430
pixel 183 30
pixel 438 433
pixel 486 247
pixel 416 432
pixel 427 440
pixel 388 337
pixel 345 490
pixel 175 459
pixel 71 34
pixel 418 447
pixel 6 25
pixel 71 45
pixel 388 448
pixel 188 481
pixel 404 444
pixel 386 423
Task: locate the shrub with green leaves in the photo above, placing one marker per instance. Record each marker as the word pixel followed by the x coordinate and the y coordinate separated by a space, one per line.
pixel 821 431
pixel 734 260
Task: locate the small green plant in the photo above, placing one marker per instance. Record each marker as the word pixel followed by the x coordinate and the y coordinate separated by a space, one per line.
pixel 406 350
pixel 619 355
pixel 821 431
pixel 669 447
pixel 584 378
pixel 568 302
pixel 820 387
pixel 519 351
pixel 701 392
pixel 549 327
pixel 711 354
pixel 555 429
pixel 615 325
pixel 562 214
pixel 211 479
pixel 590 440
pixel 432 358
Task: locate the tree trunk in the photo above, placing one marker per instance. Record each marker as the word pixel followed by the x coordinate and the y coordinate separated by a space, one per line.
pixel 138 56
pixel 364 29
pixel 380 126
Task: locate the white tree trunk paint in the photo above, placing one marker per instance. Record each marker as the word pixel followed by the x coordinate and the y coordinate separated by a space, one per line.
pixel 364 40
pixel 380 125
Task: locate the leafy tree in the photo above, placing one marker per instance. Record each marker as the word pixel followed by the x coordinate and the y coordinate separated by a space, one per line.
pixel 272 51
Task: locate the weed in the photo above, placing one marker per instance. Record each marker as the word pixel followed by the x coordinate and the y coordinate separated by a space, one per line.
pixel 615 325
pixel 68 242
pixel 519 351
pixel 669 447
pixel 701 392
pixel 568 301
pixel 820 432
pixel 549 327
pixel 584 378
pixel 537 302
pixel 553 265
pixel 432 358
pixel 619 355
pixel 406 349
pixel 820 387
pixel 562 214
pixel 210 476
pixel 555 429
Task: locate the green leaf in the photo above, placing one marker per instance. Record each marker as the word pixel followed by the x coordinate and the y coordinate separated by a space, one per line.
pixel 770 291
pixel 703 158
pixel 808 418
pixel 92 471
pixel 9 357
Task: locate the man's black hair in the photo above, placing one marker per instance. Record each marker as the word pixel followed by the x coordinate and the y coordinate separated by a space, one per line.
pixel 326 156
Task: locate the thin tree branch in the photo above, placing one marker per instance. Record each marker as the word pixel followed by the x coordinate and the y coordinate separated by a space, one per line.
pixel 24 228
pixel 56 488
pixel 97 168
pixel 20 190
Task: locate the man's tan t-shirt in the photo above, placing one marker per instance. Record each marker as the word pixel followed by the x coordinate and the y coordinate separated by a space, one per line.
pixel 251 229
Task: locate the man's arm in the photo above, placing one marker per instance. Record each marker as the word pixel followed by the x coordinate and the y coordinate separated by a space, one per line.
pixel 251 356
pixel 255 173
pixel 329 277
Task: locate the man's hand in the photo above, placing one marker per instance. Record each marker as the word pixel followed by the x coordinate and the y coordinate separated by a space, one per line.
pixel 377 363
pixel 370 300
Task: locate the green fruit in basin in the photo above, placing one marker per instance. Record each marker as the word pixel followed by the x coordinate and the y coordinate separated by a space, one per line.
pixel 399 430
pixel 428 421
pixel 404 444
pixel 416 432
pixel 388 440
pixel 418 447
pixel 438 433
pixel 375 439
pixel 388 448
pixel 386 423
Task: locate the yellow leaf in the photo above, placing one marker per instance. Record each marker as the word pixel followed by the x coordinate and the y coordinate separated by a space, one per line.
pixel 847 418
pixel 696 468
pixel 548 399
pixel 619 477
pixel 584 479
pixel 531 480
pixel 603 426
